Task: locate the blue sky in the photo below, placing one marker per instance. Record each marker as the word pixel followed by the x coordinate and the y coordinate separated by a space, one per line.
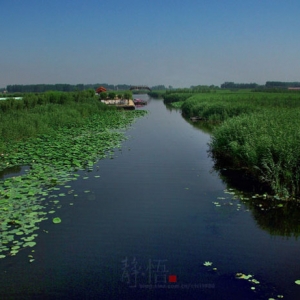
pixel 171 42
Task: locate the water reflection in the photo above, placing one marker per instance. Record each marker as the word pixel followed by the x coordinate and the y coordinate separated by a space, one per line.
pixel 275 217
pixel 9 172
pixel 203 126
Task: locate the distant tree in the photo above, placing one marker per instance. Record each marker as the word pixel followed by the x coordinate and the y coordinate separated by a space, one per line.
pixel 103 96
pixel 232 85
pixel 158 88
pixel 281 84
pixel 111 95
pixel 128 95
pixel 80 87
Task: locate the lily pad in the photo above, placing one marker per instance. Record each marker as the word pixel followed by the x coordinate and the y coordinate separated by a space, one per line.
pixel 242 276
pixel 56 220
pixel 29 244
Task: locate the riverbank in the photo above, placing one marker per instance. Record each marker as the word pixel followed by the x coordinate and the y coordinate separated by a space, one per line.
pixel 58 141
pixel 44 113
pixel 256 132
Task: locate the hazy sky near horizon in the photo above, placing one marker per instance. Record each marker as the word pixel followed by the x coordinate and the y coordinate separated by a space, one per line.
pixel 149 42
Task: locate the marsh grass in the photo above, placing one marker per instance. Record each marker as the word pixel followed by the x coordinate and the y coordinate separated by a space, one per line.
pixel 176 97
pixel 34 115
pixel 266 144
pixel 258 132
pixel 156 94
pixel 177 104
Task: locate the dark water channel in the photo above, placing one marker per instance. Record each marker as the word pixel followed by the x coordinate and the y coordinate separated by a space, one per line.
pixel 148 225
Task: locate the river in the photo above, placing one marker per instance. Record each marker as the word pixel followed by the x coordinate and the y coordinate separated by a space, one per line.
pixel 153 216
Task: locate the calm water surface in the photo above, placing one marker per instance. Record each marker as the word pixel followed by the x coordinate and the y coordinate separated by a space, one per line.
pixel 148 225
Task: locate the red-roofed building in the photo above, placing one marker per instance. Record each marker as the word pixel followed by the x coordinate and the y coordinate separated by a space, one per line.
pixel 100 89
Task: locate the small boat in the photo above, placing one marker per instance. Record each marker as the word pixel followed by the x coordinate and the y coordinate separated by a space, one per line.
pixel 139 102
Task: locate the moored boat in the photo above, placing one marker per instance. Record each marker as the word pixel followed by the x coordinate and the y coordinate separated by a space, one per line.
pixel 139 102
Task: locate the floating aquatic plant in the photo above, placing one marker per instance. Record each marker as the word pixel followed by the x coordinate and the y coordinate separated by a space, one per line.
pixel 56 220
pixel 52 162
pixel 242 276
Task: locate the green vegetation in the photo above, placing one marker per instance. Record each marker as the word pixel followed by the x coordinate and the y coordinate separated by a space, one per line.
pixel 280 85
pixel 113 95
pixel 127 95
pixel 256 132
pixel 176 97
pixel 41 88
pixel 53 140
pixel 103 96
pixel 44 113
pixel 177 105
pixel 63 87
pixel 156 94
pixel 267 144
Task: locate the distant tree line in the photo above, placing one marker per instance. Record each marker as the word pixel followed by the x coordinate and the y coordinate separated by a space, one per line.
pixel 231 85
pixel 41 88
pixel 282 84
pixel 158 87
pixel 204 87
pixel 269 84
pixel 62 87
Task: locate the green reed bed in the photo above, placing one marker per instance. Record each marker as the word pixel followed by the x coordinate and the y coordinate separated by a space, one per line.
pixel 215 109
pixel 177 104
pixel 220 106
pixel 266 144
pixel 58 140
pixel 176 97
pixel 23 119
pixel 257 132
pixel 157 94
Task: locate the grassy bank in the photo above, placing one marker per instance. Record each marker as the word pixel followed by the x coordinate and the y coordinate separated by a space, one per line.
pixel 257 132
pixel 43 114
pixel 266 144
